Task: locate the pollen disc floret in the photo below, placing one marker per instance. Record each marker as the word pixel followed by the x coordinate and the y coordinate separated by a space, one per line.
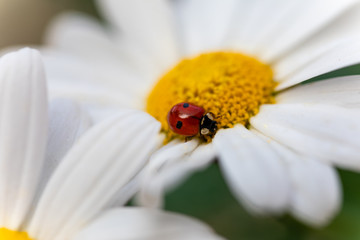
pixel 230 85
pixel 6 234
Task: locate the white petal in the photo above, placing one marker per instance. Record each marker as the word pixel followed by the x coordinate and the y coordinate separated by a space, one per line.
pixel 315 186
pixel 152 186
pixel 317 198
pixel 307 18
pixel 329 133
pixel 345 27
pixel 102 49
pixel 99 113
pixel 169 167
pixel 125 193
pixel 203 24
pixel 105 159
pixel 269 29
pixel 173 174
pixel 92 95
pixel 142 223
pixel 67 123
pixel 255 173
pixel 23 131
pixel 146 23
pixel 254 22
pixel 90 82
pixel 342 55
pixel 81 35
pixel 341 91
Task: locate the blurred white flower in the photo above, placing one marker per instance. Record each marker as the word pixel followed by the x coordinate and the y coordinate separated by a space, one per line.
pixel 51 190
pixel 279 159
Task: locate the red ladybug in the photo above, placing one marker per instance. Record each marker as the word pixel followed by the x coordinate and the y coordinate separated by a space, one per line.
pixel 188 119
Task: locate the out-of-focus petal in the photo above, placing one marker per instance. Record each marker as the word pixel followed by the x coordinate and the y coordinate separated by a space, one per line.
pixel 203 24
pixel 269 29
pixel 328 133
pixel 152 190
pixel 254 171
pixel 104 160
pixel 314 186
pixel 340 91
pixel 149 224
pixel 341 55
pixel 169 166
pixel 343 28
pixel 23 132
pixel 67 122
pixel 149 24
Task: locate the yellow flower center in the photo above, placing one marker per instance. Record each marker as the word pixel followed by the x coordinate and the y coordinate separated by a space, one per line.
pixel 230 85
pixel 6 234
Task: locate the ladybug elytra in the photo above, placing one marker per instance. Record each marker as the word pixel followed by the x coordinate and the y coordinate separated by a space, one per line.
pixel 188 119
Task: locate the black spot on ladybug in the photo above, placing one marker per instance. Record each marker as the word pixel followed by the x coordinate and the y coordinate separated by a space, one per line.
pixel 186 105
pixel 179 124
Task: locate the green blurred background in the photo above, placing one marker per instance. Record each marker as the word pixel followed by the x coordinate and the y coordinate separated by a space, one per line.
pixel 205 194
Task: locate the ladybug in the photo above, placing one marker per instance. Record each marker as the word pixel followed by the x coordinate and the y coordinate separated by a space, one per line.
pixel 188 119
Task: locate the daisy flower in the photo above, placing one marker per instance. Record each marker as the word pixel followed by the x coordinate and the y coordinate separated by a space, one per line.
pixel 54 186
pixel 277 141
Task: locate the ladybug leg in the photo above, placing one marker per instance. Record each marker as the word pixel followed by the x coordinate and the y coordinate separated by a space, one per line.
pixel 203 138
pixel 188 138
